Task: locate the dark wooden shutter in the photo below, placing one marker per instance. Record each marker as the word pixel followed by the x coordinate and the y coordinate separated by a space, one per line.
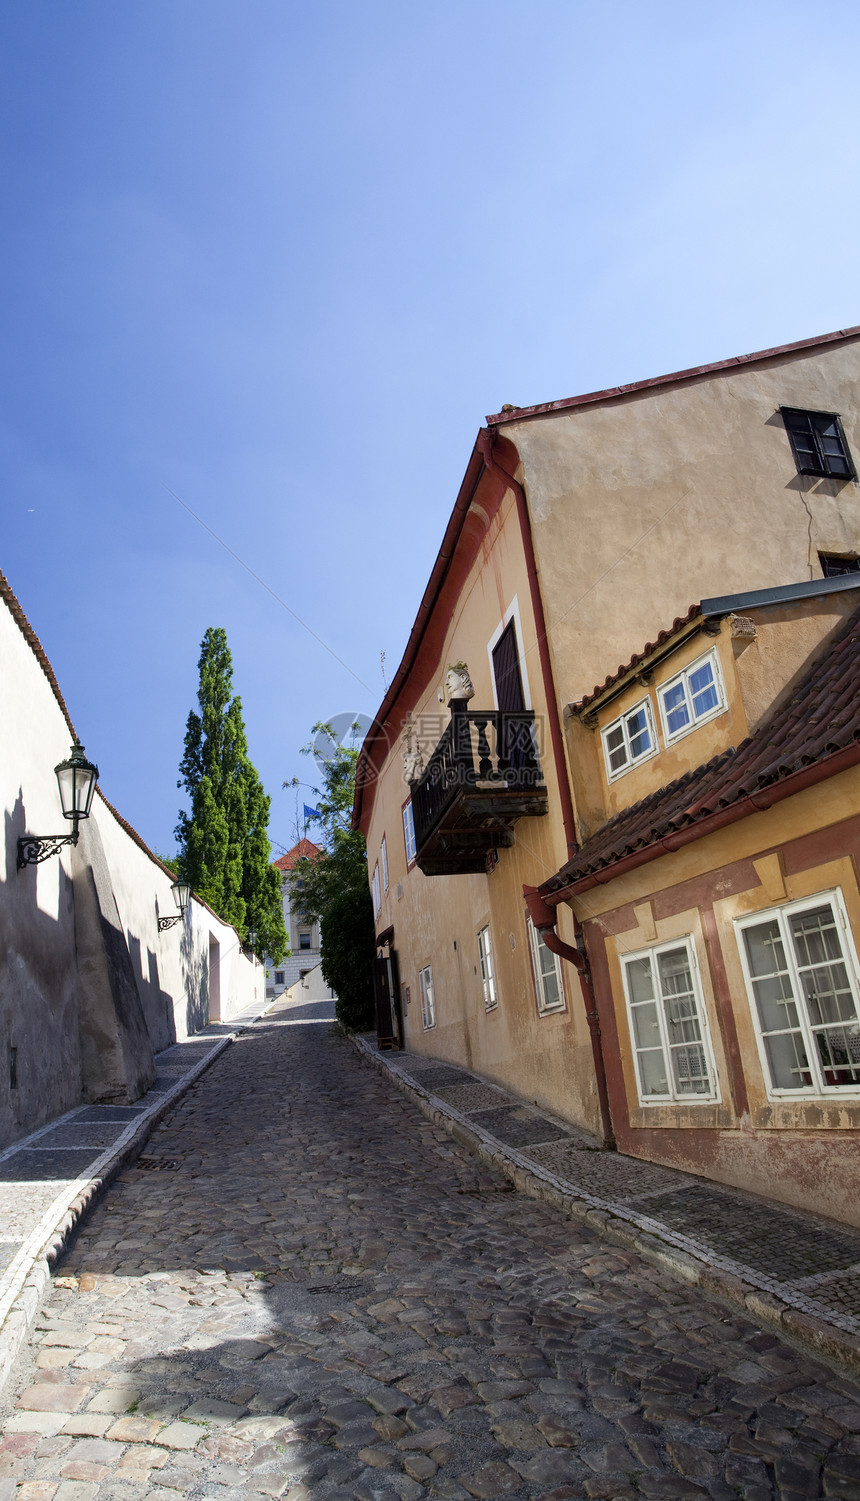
pixel 506 671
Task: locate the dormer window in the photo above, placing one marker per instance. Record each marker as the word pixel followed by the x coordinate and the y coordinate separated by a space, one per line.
pixel 818 443
pixel 629 740
pixel 692 697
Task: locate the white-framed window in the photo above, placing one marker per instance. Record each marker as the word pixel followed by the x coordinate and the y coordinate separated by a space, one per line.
pixel 409 832
pixel 488 978
pixel 428 1001
pixel 383 855
pixel 692 697
pixel 374 890
pixel 801 971
pixel 547 973
pixel 668 1025
pixel 629 740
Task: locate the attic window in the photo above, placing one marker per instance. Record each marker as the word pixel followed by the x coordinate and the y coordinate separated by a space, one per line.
pixel 818 443
pixel 834 565
pixel 629 739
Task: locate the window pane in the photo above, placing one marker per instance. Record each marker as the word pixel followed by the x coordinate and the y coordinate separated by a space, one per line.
pixel 787 1061
pixel 616 748
pixel 640 734
pixel 764 949
pixel 675 707
pixel 776 1006
pixel 703 690
pixel 639 980
pixel 646 1025
pixel 652 1072
pixel 826 987
pixel 831 445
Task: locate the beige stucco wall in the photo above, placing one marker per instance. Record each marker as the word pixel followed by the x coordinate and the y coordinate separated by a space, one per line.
pixel 643 506
pixel 53 1011
pixel 436 919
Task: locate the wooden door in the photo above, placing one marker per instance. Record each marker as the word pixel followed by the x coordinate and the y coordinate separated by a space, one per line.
pixel 506 671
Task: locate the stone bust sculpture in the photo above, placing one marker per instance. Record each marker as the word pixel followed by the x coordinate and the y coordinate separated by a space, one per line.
pixel 458 684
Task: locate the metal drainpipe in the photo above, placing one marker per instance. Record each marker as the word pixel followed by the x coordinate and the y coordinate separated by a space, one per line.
pixel 579 959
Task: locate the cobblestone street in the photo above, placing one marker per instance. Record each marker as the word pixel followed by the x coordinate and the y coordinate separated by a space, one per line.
pixel 305 1288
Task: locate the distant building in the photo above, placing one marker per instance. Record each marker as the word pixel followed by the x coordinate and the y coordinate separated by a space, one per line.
pixel 303 935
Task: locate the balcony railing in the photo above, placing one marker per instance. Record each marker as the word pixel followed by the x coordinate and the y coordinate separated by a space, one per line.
pixel 483 775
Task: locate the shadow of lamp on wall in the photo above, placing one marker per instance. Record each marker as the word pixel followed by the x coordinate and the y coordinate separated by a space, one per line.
pixel 181 895
pixel 77 779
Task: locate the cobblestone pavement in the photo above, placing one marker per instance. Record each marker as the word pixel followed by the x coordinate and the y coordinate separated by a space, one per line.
pixel 807 1263
pixel 306 1289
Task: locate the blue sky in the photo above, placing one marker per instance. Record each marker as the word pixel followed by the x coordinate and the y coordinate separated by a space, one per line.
pixel 279 260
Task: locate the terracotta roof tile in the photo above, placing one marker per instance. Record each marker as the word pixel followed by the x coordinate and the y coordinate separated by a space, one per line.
pixel 820 720
pixel 677 625
pixel 304 850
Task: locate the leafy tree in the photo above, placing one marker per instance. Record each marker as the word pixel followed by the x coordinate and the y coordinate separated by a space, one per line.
pixel 334 889
pixel 224 850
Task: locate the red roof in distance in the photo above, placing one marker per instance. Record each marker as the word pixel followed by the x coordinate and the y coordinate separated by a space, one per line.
pixel 304 850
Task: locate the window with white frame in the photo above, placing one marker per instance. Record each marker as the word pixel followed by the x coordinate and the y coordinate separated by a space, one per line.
pixel 629 739
pixel 801 973
pixel 374 890
pixel 428 1001
pixel 383 855
pixel 409 833
pixel 488 978
pixel 692 697
pixel 547 973
pixel 667 1024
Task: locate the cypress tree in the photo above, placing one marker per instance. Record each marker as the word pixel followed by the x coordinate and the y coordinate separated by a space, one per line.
pixel 224 850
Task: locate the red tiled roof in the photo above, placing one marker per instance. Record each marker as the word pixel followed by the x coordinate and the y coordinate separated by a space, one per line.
pixel 304 850
pixel 614 393
pixel 677 625
pixel 813 735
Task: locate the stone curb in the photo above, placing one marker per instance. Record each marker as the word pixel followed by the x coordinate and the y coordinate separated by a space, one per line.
pixel 32 1282
pixel 618 1225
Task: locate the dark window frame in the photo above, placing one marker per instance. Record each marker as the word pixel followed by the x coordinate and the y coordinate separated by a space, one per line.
pixel 801 424
pixel 838 565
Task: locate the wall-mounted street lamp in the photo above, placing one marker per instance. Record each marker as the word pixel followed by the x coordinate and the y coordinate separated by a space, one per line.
pixel 182 896
pixel 77 779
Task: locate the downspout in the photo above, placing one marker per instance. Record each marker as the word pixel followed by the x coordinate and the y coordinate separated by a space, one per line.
pixel 543 916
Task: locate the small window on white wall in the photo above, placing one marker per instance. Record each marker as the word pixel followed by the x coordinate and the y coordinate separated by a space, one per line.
pixel 428 1000
pixel 374 891
pixel 667 1024
pixel 547 973
pixel 383 855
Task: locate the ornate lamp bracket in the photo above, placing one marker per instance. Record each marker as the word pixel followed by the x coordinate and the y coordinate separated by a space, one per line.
pixel 32 848
pixel 167 922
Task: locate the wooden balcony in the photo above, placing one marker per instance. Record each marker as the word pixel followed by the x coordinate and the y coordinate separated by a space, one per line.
pixel 483 775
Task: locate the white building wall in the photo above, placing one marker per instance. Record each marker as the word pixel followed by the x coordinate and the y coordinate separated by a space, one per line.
pixel 89 988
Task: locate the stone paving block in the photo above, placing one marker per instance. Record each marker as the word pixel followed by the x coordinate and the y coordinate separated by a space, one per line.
pixel 51 1397
pixel 44 1423
pixel 496 1479
pixel 181 1435
pixel 133 1430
